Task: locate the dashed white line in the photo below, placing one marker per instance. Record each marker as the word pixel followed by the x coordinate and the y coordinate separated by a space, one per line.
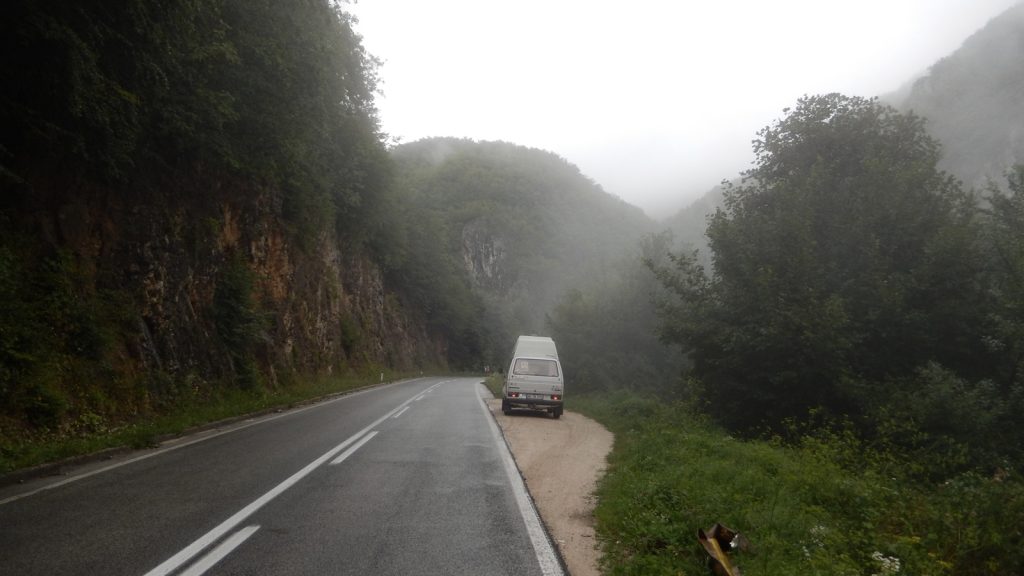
pixel 218 553
pixel 401 412
pixel 190 551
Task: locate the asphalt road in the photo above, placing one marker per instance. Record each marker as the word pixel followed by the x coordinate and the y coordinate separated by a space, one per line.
pixel 409 478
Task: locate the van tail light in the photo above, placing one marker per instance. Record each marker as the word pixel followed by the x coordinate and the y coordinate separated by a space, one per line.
pixel 513 394
pixel 556 397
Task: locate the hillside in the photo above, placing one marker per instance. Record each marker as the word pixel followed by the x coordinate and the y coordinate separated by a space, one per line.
pixel 518 226
pixel 973 100
pixel 192 198
pixel 689 223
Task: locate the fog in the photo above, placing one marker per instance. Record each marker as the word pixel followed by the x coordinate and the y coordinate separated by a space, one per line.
pixel 655 101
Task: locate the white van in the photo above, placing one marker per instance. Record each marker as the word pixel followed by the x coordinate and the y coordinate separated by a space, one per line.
pixel 534 378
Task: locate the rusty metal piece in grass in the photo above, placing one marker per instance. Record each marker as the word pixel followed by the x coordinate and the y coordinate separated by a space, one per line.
pixel 716 542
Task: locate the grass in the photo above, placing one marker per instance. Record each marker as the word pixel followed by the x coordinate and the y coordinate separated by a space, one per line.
pixel 25 451
pixel 823 507
pixel 494 383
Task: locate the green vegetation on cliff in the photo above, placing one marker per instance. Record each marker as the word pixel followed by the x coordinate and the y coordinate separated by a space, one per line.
pixel 193 199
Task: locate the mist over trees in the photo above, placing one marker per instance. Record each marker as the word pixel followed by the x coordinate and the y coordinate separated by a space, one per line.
pixel 607 332
pixel 496 234
pixel 972 100
pixel 854 281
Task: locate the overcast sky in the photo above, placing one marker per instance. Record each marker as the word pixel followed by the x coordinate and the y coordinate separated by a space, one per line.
pixel 655 100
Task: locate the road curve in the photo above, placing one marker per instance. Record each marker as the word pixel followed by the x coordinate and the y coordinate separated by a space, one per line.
pixel 409 478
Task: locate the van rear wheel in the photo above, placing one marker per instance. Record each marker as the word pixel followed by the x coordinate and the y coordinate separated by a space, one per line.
pixel 505 408
pixel 557 413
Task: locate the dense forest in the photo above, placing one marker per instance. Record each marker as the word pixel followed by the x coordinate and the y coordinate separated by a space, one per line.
pixel 196 197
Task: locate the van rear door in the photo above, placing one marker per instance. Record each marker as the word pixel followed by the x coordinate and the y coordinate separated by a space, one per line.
pixel 536 376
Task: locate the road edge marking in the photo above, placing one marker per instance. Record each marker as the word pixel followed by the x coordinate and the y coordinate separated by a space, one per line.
pixel 549 560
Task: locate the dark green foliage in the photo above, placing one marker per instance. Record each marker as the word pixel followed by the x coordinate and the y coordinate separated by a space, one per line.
pixel 351 335
pixel 154 110
pixel 282 93
pixel 1004 241
pixel 433 283
pixel 303 93
pixel 237 319
pixel 845 260
pixel 946 424
pixel 854 282
pixel 823 504
pixel 56 338
pixel 99 83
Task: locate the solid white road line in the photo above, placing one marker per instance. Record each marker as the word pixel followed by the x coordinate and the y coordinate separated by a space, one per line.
pixel 190 551
pixel 353 449
pixel 218 553
pixel 546 557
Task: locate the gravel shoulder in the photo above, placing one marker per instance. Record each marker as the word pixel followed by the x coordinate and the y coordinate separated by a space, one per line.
pixel 561 462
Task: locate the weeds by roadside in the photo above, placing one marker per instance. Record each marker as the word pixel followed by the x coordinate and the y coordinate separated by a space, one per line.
pixel 19 451
pixel 824 506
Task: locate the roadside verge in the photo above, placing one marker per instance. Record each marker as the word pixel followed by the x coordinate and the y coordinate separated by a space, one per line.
pixel 561 462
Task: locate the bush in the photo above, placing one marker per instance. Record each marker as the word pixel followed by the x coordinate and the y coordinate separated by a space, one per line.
pixel 239 323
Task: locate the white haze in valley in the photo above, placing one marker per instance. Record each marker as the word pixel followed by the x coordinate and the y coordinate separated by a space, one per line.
pixel 656 101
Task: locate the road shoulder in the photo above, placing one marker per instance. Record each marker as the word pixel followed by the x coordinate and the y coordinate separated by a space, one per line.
pixel 561 462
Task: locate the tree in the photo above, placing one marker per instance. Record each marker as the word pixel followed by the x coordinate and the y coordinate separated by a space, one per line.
pixel 844 260
pixel 1005 243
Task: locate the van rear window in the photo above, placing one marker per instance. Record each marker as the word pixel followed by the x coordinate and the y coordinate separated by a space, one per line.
pixel 535 367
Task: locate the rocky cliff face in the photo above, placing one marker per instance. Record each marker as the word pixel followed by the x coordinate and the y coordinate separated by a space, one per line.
pixel 484 258
pixel 308 305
